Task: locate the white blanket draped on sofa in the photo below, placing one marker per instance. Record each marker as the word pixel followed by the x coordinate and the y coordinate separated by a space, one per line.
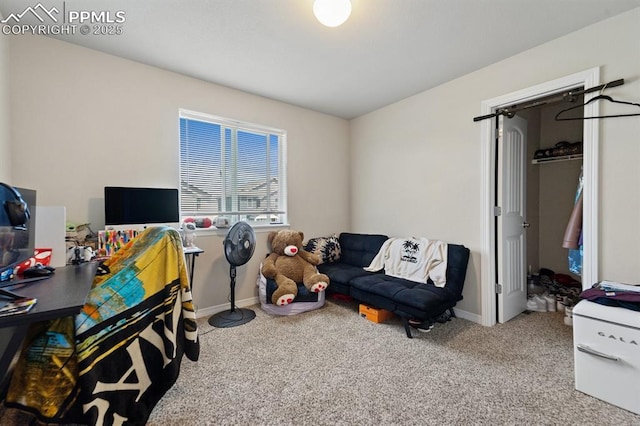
pixel 415 259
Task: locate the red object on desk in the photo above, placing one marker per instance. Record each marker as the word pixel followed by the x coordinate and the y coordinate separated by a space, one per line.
pixel 40 255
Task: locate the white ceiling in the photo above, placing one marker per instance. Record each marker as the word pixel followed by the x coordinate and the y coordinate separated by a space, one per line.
pixel 386 51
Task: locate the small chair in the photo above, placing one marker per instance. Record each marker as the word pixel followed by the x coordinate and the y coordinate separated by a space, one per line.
pixel 304 301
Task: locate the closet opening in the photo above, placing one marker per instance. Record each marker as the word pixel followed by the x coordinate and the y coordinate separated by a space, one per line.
pixel 553 207
pixel 504 194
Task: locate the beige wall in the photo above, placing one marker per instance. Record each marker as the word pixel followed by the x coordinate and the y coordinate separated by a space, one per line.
pixel 5 135
pixel 416 164
pixel 411 168
pixel 83 120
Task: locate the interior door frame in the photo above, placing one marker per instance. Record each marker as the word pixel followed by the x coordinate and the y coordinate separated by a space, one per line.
pixel 587 79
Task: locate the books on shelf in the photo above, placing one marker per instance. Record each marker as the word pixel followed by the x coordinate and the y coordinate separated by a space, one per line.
pixel 16 306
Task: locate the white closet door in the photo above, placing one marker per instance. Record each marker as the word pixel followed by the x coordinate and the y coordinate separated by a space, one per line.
pixel 511 226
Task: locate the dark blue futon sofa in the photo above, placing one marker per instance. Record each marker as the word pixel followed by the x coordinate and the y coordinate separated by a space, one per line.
pixel 407 299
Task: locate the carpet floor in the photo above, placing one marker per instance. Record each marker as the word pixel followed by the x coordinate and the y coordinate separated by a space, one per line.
pixel 332 367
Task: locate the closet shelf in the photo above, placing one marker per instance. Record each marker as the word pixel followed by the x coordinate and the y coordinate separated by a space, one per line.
pixel 557 159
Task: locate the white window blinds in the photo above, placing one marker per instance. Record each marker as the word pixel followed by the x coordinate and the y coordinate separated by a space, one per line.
pixel 231 169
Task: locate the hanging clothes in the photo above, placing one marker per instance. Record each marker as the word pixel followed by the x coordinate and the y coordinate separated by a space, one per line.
pixel 573 234
pixel 574 227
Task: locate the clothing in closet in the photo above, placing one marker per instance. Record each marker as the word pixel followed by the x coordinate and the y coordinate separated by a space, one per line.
pixel 573 234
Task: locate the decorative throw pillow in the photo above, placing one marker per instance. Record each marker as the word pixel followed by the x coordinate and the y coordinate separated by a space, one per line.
pixel 328 248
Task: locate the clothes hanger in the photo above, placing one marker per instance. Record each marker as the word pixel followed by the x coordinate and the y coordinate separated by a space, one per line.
pixel 597 98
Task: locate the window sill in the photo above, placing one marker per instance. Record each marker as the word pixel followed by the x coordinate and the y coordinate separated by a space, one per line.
pixel 259 229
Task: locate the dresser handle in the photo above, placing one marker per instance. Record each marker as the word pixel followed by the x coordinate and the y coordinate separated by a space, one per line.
pixel 586 349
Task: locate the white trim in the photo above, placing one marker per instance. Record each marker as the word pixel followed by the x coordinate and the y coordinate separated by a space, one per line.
pixel 588 78
pixel 211 310
pixel 201 116
pixel 202 232
pixel 467 316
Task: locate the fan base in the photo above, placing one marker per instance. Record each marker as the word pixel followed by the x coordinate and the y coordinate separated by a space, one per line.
pixel 229 318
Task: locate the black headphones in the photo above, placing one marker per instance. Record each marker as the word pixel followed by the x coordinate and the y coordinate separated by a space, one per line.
pixel 17 209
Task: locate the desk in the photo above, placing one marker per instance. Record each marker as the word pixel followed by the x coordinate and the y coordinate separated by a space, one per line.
pixel 192 252
pixel 63 294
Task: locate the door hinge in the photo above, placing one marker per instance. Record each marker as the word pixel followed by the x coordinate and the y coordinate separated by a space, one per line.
pixel 498 288
pixel 497 211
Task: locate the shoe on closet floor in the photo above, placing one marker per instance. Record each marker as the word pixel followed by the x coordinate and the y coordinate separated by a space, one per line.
pixel 568 316
pixel 551 302
pixel 537 304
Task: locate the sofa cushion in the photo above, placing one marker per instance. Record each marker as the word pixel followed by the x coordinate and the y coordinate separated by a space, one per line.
pixel 413 299
pixel 417 299
pixel 328 248
pixel 360 249
pixel 340 274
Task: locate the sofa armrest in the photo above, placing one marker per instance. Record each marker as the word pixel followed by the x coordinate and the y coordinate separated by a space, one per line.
pixel 457 262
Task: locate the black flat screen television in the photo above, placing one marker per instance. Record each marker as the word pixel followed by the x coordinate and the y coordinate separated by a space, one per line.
pixel 140 206
pixel 17 241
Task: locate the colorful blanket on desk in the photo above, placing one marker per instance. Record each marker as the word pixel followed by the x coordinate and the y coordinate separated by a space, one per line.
pixel 113 362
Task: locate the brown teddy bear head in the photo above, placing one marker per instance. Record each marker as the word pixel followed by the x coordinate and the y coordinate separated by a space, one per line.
pixel 285 242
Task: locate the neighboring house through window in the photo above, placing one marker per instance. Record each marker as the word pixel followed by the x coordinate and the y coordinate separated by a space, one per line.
pixel 232 169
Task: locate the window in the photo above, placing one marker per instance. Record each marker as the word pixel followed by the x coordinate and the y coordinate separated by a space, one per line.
pixel 231 169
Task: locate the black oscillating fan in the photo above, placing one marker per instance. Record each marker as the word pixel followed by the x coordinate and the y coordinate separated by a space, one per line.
pixel 239 245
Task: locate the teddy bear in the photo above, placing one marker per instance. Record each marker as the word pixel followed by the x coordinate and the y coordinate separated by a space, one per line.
pixel 289 264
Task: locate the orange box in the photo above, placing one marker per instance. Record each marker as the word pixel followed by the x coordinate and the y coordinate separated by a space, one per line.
pixel 375 314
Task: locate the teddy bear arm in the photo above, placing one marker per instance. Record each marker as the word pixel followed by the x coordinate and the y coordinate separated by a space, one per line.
pixel 269 266
pixel 312 258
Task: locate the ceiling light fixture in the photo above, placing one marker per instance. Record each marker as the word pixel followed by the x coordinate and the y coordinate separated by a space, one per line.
pixel 332 13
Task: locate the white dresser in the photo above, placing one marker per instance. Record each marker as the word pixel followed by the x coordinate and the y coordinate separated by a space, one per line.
pixel 606 342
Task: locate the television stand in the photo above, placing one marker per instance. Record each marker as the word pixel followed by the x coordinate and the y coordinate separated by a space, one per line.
pixel 192 252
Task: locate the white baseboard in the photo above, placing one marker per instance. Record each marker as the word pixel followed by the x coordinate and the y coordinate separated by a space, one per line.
pixel 211 310
pixel 468 316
